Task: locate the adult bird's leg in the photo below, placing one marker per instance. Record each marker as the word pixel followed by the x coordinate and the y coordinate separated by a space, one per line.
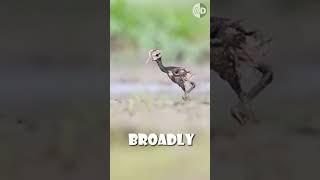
pixel 241 111
pixel 228 72
pixel 267 77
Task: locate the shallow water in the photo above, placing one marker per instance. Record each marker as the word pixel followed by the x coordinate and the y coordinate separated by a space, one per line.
pixel 120 88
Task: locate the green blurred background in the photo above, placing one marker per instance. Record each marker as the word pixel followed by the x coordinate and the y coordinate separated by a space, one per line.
pixel 137 26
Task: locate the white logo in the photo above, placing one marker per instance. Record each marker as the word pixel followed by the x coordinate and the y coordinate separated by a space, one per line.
pixel 199 10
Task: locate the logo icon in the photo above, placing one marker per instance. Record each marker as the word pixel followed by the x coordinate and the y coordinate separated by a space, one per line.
pixel 199 10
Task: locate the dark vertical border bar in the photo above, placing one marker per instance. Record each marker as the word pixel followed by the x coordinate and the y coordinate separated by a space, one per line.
pixel 284 144
pixel 107 25
pixel 54 90
pixel 211 104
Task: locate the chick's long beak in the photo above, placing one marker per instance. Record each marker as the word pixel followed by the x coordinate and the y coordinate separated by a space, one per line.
pixel 148 60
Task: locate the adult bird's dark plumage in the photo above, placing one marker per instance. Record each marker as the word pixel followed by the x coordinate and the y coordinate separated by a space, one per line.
pixel 228 50
pixel 178 75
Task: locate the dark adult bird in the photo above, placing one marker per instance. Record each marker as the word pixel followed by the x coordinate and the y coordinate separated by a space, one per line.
pixel 178 75
pixel 228 50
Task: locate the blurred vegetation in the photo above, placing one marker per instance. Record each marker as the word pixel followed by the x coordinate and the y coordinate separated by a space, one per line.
pixel 137 27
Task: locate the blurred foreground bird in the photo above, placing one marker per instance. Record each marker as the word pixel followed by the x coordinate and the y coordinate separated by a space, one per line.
pixel 178 75
pixel 229 41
